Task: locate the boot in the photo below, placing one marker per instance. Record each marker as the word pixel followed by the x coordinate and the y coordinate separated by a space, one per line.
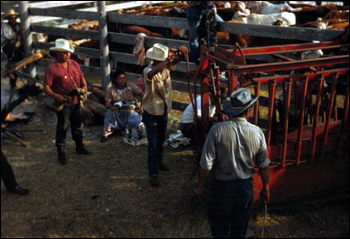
pixel 80 149
pixel 62 155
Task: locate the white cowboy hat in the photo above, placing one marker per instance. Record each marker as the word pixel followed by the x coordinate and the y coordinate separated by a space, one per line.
pixel 158 52
pixel 63 45
pixel 10 12
pixel 238 102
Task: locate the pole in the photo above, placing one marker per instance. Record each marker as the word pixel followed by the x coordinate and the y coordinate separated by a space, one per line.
pixel 104 58
pixel 27 37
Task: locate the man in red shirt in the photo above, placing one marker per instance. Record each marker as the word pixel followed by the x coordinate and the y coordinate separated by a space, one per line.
pixel 63 79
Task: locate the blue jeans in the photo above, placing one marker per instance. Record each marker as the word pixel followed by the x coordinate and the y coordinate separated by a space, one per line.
pixel 74 115
pixel 196 17
pixel 230 207
pixel 156 129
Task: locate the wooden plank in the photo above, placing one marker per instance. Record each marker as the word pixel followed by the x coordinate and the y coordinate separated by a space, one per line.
pixel 293 33
pixel 83 51
pixel 64 13
pixel 296 33
pixel 155 21
pixel 130 59
pixel 53 4
pixel 149 42
pixel 126 5
pixel 67 32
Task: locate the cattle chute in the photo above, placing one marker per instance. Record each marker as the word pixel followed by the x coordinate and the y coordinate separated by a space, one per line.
pixel 313 107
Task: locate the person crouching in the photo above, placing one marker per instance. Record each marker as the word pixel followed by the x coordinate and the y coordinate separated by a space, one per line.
pixel 121 101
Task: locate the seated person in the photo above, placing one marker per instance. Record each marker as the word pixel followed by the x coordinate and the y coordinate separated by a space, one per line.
pixel 187 125
pixel 123 111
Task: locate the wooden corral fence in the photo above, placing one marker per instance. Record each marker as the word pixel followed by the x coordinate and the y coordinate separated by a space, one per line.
pixel 105 15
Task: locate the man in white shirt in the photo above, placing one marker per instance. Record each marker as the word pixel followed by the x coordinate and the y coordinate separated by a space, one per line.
pixel 230 154
pixel 187 123
pixel 11 41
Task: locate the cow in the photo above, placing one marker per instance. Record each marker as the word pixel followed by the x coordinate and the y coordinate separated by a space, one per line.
pixel 269 20
pixel 316 53
pixel 335 14
pixel 264 7
pixel 134 30
pixel 312 14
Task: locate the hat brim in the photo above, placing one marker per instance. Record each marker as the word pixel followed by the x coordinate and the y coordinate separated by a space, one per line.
pixel 9 15
pixel 149 55
pixel 229 110
pixel 61 49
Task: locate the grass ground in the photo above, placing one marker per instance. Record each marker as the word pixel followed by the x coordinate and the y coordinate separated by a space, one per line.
pixel 60 203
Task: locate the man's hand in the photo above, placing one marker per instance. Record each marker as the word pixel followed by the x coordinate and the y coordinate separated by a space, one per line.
pixel 265 195
pixel 184 51
pixel 60 99
pixel 202 192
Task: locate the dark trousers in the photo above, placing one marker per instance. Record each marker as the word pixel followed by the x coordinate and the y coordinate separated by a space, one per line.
pixel 156 129
pixel 197 22
pixel 7 174
pixel 74 115
pixel 14 55
pixel 230 207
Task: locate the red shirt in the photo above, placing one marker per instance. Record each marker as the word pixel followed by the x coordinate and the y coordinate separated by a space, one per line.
pixel 64 80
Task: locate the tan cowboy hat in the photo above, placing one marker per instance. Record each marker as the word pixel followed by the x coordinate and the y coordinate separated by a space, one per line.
pixel 158 52
pixel 63 45
pixel 10 12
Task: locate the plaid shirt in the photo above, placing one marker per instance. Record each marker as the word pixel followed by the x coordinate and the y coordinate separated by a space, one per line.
pixel 128 93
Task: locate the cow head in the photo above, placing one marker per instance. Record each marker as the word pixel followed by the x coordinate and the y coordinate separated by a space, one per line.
pixel 280 22
pixel 241 16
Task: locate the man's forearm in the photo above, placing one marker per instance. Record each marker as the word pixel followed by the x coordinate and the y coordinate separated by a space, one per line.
pixel 158 68
pixel 265 177
pixel 49 92
pixel 203 178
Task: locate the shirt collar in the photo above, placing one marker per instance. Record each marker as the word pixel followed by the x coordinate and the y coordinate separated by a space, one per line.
pixel 239 120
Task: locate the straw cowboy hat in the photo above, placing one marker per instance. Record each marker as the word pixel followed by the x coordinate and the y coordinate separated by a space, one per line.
pixel 9 13
pixel 238 102
pixel 158 52
pixel 63 45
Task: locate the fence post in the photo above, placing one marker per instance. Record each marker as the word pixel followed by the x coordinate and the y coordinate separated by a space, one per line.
pixel 27 36
pixel 104 58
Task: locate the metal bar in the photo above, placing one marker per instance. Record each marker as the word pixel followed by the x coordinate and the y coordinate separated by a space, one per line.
pixel 256 106
pixel 218 98
pixel 205 103
pixel 346 103
pixel 302 117
pixel 254 51
pixel 317 113
pixel 326 61
pixel 283 57
pixel 329 114
pixel 272 95
pixel 286 121
pixel 279 79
